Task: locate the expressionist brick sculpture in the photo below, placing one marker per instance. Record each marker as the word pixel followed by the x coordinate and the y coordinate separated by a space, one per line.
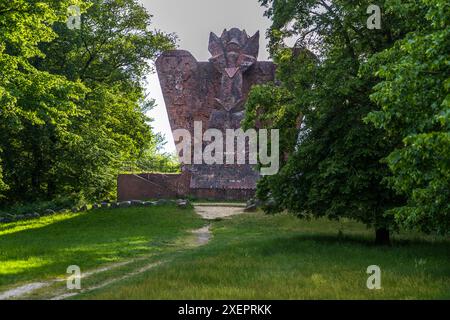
pixel 214 93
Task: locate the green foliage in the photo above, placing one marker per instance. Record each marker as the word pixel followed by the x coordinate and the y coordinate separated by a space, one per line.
pixel 415 107
pixel 73 101
pixel 28 97
pixel 58 205
pixel 157 162
pixel 334 169
pixel 153 160
pixel 279 106
pixel 3 186
pixel 272 107
pixel 392 171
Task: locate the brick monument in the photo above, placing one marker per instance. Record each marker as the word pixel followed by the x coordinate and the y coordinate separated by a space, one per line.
pixel 213 93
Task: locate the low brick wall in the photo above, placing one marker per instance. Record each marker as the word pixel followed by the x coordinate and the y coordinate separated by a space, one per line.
pixel 171 186
pixel 152 186
pixel 223 194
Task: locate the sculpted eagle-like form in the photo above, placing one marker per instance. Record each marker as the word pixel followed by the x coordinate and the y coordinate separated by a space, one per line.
pixel 215 93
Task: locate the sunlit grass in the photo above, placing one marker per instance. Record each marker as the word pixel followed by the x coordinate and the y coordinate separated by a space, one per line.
pixel 14 266
pixel 34 224
pixel 252 256
pixel 41 249
pixel 280 257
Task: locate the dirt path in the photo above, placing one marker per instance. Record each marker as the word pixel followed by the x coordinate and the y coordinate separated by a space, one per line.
pixel 108 282
pixel 202 236
pixel 217 211
pixel 25 289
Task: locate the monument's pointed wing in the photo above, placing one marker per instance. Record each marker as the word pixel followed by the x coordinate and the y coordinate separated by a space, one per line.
pixel 178 73
pixel 192 92
pixel 252 46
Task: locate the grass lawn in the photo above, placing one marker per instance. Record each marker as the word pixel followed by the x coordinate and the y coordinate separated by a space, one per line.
pixel 252 256
pixel 42 249
pixel 280 257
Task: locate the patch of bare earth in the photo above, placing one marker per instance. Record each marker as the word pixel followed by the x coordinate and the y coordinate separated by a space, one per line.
pixel 214 211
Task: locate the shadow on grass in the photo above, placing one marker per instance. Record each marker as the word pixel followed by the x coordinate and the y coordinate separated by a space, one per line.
pixel 291 244
pixel 327 250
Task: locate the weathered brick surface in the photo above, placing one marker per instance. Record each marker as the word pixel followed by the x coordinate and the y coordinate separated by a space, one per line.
pixel 214 93
pixel 152 186
pixel 223 194
pixel 173 186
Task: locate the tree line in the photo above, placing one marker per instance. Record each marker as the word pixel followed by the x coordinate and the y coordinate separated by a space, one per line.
pixel 73 100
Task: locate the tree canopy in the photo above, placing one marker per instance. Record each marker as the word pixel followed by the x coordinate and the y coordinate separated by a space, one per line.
pixel 73 100
pixel 415 107
pixel 333 82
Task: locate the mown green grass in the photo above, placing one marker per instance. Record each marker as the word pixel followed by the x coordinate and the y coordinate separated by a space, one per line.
pixel 280 257
pixel 42 249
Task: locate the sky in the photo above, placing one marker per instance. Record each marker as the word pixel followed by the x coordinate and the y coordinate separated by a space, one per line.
pixel 192 21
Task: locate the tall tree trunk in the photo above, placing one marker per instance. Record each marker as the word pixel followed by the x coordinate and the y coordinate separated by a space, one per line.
pixel 51 187
pixel 383 237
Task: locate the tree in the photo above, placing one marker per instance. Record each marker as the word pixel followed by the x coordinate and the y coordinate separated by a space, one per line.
pixel 335 169
pixel 29 98
pixel 3 186
pixel 415 108
pixel 80 112
pixel 110 55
